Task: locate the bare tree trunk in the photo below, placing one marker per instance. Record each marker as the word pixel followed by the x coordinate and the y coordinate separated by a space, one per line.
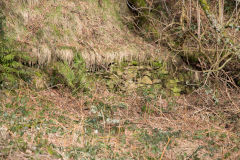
pixel 211 17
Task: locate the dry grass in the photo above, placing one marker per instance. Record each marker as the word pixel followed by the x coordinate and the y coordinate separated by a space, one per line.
pixel 57 29
pixel 52 124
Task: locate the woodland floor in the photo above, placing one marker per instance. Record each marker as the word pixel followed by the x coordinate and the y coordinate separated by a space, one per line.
pixel 54 124
pixel 102 123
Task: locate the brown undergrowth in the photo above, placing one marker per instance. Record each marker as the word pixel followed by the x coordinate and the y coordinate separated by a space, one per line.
pixel 103 125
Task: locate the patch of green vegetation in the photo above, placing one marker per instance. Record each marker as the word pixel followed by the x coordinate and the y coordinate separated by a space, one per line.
pixel 101 116
pixel 63 74
pixel 21 119
pixel 174 86
pixel 33 127
pixel 12 61
pixel 93 124
pixel 72 75
pixel 56 30
pixel 32 124
pixel 154 142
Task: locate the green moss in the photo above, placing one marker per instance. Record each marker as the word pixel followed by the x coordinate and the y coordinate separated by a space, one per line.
pixel 162 72
pixel 204 5
pixel 175 86
pixel 135 63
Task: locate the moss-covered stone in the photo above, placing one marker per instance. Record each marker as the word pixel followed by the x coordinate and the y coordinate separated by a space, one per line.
pixel 154 74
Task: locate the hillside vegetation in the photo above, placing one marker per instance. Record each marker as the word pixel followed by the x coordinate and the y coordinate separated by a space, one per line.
pixel 146 79
pixel 51 30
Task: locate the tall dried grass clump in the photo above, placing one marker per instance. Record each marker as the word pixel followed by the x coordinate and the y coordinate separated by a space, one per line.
pixel 55 30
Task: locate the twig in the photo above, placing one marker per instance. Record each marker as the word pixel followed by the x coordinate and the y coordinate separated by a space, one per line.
pixel 165 148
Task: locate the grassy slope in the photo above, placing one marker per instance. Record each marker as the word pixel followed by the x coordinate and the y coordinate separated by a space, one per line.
pixel 52 30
